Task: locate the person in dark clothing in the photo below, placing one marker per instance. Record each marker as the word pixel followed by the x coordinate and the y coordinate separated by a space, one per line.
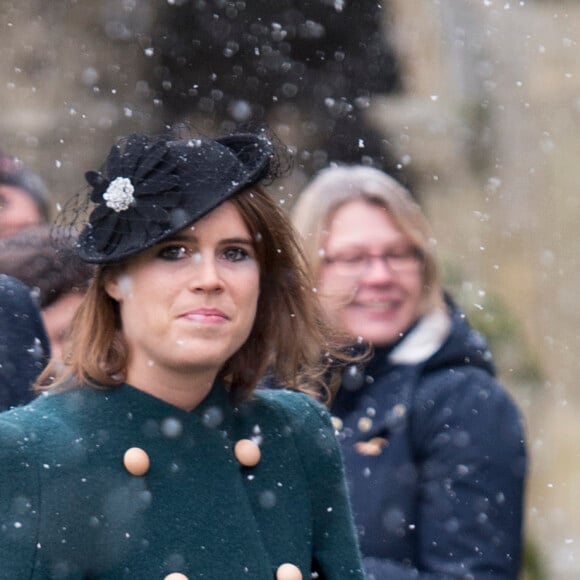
pixel 434 446
pixel 45 259
pixel 24 347
pixel 151 454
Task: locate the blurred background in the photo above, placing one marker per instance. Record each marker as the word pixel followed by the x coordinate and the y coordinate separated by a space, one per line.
pixel 473 104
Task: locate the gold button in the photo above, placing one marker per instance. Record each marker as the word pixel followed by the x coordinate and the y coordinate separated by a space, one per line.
pixel 373 447
pixel 247 452
pixel 336 423
pixel 136 461
pixel 175 576
pixel 288 572
pixel 364 424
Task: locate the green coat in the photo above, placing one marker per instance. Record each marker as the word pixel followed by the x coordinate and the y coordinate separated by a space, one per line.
pixel 69 509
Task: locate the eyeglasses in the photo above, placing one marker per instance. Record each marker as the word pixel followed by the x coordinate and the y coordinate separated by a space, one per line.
pixel 357 263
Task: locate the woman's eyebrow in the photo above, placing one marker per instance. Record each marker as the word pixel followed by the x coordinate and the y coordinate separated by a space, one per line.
pixel 193 238
pixel 245 241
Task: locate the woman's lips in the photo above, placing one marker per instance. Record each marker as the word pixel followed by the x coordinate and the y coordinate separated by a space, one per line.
pixel 382 305
pixel 206 315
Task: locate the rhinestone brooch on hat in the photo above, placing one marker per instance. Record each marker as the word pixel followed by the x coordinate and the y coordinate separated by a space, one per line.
pixel 119 195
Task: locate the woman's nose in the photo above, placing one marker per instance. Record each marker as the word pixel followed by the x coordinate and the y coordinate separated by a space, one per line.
pixel 205 274
pixel 378 269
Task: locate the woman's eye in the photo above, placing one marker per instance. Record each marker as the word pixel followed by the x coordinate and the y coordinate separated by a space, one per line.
pixel 401 253
pixel 235 254
pixel 173 252
pixel 354 258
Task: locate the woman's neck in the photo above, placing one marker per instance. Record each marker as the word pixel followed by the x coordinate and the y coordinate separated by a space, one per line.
pixel 183 389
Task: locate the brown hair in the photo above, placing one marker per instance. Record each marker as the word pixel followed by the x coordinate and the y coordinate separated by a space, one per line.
pixel 287 309
pixel 335 186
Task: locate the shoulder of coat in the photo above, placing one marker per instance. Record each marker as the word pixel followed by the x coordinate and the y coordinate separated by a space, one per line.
pixel 287 398
pixel 296 406
pixel 45 416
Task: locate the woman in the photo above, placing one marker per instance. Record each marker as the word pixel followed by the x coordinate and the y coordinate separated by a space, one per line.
pixel 151 456
pixel 55 273
pixel 433 445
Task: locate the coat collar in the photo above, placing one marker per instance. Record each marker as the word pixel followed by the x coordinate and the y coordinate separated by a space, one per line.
pixel 128 402
pixel 425 339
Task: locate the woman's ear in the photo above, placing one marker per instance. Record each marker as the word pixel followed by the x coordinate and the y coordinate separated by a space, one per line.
pixel 112 285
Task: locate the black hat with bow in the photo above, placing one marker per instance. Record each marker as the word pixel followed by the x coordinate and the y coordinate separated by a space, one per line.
pixel 150 189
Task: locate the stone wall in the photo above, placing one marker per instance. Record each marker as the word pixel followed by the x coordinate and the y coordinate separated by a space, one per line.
pixel 73 79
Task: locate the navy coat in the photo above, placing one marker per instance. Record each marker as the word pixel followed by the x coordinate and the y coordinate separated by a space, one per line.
pixel 24 346
pixel 435 457
pixel 70 510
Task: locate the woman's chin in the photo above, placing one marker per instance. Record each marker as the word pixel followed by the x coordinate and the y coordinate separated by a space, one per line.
pixel 377 332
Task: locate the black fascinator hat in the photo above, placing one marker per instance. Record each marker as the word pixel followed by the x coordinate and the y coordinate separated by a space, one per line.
pixel 150 188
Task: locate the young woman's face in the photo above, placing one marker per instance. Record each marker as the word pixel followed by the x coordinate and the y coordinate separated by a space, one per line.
pixel 189 303
pixel 371 277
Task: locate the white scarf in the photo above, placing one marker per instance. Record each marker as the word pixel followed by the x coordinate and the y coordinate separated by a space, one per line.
pixel 424 340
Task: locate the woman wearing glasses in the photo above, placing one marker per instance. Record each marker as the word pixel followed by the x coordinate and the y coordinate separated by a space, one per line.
pixel 434 446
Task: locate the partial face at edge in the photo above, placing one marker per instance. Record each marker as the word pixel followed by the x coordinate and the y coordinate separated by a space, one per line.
pixel 17 211
pixel 379 299
pixel 58 318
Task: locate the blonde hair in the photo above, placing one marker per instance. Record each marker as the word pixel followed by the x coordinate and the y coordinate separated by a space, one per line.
pixel 288 338
pixel 336 186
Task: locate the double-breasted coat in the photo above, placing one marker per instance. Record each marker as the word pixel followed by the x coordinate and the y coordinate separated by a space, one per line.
pixel 70 509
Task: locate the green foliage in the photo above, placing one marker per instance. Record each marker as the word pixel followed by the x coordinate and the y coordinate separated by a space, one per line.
pixel 533 563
